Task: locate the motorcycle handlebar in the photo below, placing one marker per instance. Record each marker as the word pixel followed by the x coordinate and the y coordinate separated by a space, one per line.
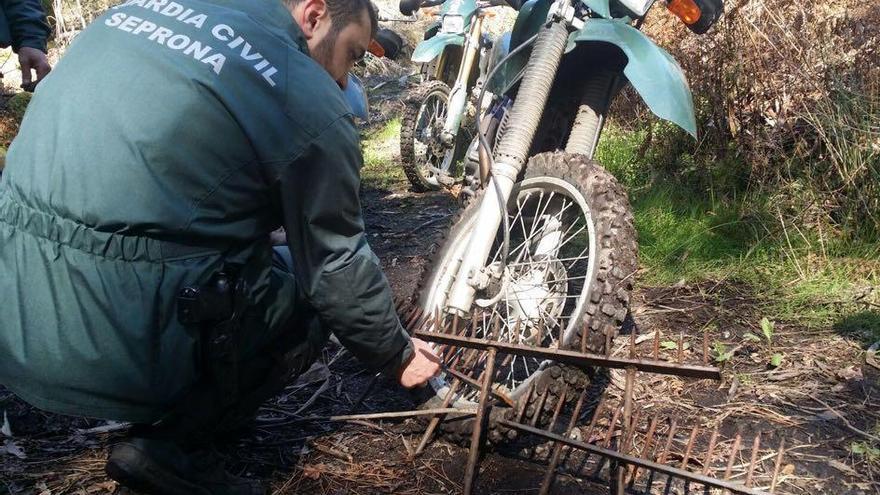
pixel 407 7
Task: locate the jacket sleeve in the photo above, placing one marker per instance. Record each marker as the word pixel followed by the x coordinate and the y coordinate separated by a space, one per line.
pixel 27 24
pixel 341 276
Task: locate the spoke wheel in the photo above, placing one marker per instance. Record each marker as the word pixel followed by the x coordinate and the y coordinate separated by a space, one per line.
pixel 428 163
pixel 570 266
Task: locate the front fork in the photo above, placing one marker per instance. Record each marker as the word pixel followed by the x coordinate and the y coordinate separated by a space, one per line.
pixel 458 96
pixel 509 160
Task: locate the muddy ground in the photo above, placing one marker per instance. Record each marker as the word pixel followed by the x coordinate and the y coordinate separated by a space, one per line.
pixel 824 399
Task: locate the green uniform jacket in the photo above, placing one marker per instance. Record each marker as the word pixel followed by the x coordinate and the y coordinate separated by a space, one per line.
pixel 172 137
pixel 22 23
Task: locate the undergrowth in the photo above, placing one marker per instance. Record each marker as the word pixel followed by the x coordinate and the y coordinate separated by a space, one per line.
pixel 689 231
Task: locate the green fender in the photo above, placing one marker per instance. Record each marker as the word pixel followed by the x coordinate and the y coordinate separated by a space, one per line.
pixel 650 69
pixel 432 47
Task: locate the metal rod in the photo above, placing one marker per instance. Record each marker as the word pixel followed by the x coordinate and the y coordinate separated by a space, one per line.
pixel 628 459
pixel 646 448
pixel 656 344
pixel 689 448
pixel 611 427
pixel 712 441
pixel 525 404
pixel 681 347
pixel 777 466
pixel 557 447
pixel 706 345
pixel 756 446
pixel 576 358
pixel 585 335
pixel 558 409
pixel 607 343
pixel 455 322
pixel 632 344
pixel 733 451
pixel 429 431
pixel 672 428
pixel 541 401
pixel 596 414
pixel 477 433
pixel 386 415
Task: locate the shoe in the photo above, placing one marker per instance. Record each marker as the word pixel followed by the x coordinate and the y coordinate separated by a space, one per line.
pixel 161 467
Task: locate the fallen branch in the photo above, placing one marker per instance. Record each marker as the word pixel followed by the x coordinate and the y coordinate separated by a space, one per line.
pixel 846 421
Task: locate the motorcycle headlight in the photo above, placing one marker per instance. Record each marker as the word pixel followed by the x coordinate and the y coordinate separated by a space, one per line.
pixel 637 7
pixel 452 23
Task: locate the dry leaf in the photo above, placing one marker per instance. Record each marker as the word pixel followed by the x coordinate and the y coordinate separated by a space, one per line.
pixel 313 472
pixel 788 470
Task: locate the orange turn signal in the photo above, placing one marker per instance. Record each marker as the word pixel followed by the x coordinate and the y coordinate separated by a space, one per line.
pixel 686 10
pixel 376 49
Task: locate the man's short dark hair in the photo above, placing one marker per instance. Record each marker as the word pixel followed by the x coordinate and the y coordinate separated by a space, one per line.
pixel 345 12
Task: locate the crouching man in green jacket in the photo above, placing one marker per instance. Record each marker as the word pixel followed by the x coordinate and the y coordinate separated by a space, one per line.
pixel 136 271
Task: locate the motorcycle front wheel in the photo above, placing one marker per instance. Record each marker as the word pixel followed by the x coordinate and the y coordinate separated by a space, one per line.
pixel 571 264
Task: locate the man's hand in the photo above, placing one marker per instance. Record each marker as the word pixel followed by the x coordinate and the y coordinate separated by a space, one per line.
pixel 32 59
pixel 423 365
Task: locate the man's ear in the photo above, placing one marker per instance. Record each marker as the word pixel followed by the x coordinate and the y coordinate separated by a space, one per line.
pixel 309 14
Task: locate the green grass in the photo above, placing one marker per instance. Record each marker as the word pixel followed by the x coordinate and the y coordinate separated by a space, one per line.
pixel 691 235
pixel 381 147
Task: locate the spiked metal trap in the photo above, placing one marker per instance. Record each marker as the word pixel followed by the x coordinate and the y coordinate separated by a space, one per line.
pixel 635 453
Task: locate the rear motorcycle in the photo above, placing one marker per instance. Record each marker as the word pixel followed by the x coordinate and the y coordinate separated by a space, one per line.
pixel 436 127
pixel 548 247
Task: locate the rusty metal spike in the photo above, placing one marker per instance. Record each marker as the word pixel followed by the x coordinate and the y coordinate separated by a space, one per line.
pixel 600 408
pixel 559 403
pixel 611 428
pixel 646 448
pixel 712 441
pixel 672 429
pixel 516 327
pixel 607 343
pixel 414 317
pixel 756 446
pixel 632 343
pixel 681 348
pixel 778 465
pixel 437 321
pixel 690 447
pixel 630 432
pixel 496 328
pixel 525 403
pixel 477 432
pixel 540 330
pixel 474 320
pixel 453 389
pixel 507 360
pixel 547 483
pixel 541 401
pixel 706 345
pixel 628 393
pixel 455 323
pixel 656 344
pixel 733 452
pixel 585 336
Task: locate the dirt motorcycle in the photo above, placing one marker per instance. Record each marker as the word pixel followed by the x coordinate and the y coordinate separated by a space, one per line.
pixel 435 128
pixel 546 253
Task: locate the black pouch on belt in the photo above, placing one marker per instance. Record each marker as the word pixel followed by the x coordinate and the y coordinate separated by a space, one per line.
pixel 215 310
